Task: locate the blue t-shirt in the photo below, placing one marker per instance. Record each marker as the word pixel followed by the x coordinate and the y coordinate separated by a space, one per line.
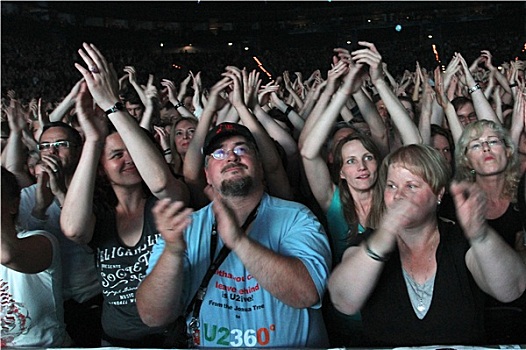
pixel 236 310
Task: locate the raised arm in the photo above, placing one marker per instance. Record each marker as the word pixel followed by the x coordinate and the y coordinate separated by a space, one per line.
pixel 77 220
pixel 482 107
pixel 369 55
pixel 15 153
pixel 66 104
pixel 149 161
pixel 172 97
pixel 454 124
pixel 244 84
pixel 194 159
pixel 316 168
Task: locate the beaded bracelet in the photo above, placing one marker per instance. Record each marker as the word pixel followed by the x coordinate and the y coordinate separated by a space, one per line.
pixel 180 104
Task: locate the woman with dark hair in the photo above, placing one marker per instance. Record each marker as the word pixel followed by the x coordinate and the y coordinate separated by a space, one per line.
pixel 346 205
pixel 442 141
pixel 120 227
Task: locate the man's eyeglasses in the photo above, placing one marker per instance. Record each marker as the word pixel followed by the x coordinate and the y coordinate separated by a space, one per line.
pixel 56 145
pixel 221 154
pixel 492 142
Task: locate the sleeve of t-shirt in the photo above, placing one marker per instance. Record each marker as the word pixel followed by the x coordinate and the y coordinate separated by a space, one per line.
pixel 305 239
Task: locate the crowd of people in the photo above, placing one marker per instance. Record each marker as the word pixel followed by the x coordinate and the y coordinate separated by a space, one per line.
pixel 348 207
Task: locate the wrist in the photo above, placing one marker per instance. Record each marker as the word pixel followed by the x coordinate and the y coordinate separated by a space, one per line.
pixel 474 88
pixel 371 253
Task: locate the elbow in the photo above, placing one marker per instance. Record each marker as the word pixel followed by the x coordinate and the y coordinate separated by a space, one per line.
pixel 76 235
pixel 513 293
pixel 305 153
pixel 347 308
pixel 151 316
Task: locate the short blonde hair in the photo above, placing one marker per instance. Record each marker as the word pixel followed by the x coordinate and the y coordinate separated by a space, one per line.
pixel 463 168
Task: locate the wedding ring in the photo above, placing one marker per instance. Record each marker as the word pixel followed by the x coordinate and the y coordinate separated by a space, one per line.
pixel 93 69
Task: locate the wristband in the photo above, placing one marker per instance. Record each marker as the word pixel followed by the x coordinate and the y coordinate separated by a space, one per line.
pixel 373 255
pixel 167 151
pixel 474 88
pixel 180 104
pixel 118 106
pixel 289 109
pixel 513 85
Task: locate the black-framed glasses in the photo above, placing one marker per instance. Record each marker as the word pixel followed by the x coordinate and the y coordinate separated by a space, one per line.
pixel 239 150
pixel 62 144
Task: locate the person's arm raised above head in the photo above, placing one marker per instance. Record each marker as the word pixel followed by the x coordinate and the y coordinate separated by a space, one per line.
pixel 149 161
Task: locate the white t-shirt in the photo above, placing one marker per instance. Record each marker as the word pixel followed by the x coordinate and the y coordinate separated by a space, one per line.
pixel 80 281
pixel 32 312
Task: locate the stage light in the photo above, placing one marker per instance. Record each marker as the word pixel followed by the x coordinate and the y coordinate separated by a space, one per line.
pixel 162 44
pixel 230 44
pixel 398 27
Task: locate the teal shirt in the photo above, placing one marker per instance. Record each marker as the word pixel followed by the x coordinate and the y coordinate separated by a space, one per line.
pixel 338 228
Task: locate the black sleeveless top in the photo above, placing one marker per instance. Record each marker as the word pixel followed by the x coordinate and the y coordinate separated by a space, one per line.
pixel 455 315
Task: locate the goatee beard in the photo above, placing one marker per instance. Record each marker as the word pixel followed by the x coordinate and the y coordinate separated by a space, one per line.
pixel 237 188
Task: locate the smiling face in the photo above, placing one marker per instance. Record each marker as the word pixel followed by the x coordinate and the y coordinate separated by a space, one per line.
pixel 68 156
pixel 487 154
pixel 235 175
pixel 359 168
pixel 117 164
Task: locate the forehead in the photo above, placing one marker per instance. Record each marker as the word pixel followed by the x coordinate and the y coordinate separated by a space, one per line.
pixel 398 171
pixel 353 146
pixel 342 133
pixel 113 142
pixel 440 140
pixel 132 105
pixel 229 141
pixel 466 108
pixel 484 132
pixel 185 124
pixel 54 134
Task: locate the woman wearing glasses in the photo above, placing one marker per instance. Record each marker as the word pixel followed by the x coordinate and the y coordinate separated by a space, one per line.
pixel 486 155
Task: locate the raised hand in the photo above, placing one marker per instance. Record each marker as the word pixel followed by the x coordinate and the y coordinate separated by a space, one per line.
pixel 132 74
pixel 227 226
pixel 171 219
pixel 470 202
pixel 372 58
pixel 91 119
pixel 171 90
pixel 101 78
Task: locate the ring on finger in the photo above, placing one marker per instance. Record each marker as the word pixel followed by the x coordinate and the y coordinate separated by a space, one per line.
pixel 94 69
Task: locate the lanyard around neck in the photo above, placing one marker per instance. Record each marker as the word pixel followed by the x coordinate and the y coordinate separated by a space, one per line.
pixel 200 294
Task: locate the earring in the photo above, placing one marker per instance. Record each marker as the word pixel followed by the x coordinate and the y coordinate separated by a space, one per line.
pixel 439 202
pixel 472 171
